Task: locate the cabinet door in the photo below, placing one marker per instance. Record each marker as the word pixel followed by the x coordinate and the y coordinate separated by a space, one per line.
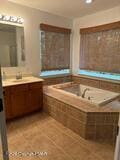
pixel 7 103
pixel 19 100
pixel 35 96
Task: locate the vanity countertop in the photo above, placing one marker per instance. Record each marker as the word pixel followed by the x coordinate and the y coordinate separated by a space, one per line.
pixel 24 80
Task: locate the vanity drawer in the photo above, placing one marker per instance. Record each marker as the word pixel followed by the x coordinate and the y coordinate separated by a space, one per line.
pixel 19 88
pixel 37 85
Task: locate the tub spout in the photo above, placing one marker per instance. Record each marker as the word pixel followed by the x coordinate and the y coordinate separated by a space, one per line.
pixel 84 92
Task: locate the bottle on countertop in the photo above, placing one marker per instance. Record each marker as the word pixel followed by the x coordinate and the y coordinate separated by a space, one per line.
pixel 4 76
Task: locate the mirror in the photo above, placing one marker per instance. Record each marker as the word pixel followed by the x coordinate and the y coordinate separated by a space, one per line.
pixel 12 50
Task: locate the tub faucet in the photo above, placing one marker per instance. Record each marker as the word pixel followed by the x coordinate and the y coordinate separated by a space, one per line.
pixel 85 90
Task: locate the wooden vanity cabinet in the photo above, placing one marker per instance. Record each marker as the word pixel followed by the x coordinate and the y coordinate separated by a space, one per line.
pixel 7 102
pixel 22 99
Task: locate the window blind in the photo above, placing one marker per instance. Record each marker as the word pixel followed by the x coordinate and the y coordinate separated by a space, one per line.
pixel 100 48
pixel 55 47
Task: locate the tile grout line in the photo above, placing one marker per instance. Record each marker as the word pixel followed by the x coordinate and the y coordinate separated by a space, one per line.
pixel 59 147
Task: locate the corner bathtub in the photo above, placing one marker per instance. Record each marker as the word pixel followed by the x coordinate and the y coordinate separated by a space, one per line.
pixel 93 95
pixel 93 117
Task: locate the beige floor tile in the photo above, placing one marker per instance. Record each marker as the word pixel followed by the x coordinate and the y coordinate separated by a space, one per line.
pixel 44 144
pixel 51 131
pixel 77 151
pixel 58 156
pixel 40 132
pixel 105 153
pixel 62 140
pixel 93 157
pixel 24 158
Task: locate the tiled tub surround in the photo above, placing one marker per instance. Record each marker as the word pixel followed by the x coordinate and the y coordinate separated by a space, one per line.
pixel 57 79
pixel 89 121
pixel 106 84
pixel 101 83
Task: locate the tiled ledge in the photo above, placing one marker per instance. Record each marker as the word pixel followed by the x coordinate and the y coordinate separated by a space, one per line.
pixel 97 78
pixel 56 76
pixel 97 82
pixel 57 79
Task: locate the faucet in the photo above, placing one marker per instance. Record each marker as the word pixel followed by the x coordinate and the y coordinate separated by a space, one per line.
pixel 19 75
pixel 85 90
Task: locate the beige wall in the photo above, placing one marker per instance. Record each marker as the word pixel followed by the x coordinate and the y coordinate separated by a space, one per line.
pixel 33 18
pixel 98 18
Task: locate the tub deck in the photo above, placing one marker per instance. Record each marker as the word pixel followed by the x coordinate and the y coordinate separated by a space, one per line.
pixel 87 120
pixel 75 101
pixel 93 95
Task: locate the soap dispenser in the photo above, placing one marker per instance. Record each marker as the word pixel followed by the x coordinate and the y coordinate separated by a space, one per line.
pixel 4 76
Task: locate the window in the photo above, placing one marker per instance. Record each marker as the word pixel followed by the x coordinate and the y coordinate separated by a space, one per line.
pixel 55 49
pixel 105 75
pixel 100 48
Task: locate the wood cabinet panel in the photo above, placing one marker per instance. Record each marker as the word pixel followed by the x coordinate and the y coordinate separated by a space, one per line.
pixel 7 103
pixel 22 99
pixel 35 99
pixel 35 96
pixel 19 103
pixel 19 88
pixel 36 85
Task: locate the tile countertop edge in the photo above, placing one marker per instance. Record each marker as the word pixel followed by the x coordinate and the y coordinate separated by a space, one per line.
pixel 97 78
pixel 56 76
pixel 31 79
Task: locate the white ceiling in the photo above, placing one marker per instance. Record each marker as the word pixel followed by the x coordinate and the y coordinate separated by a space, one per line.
pixel 69 8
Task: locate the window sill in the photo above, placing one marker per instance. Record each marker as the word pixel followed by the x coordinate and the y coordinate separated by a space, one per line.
pixel 55 73
pixel 101 75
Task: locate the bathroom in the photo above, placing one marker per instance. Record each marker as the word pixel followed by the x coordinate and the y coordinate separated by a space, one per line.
pixel 60 71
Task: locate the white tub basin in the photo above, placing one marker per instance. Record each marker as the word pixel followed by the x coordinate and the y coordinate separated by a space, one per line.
pixel 92 95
